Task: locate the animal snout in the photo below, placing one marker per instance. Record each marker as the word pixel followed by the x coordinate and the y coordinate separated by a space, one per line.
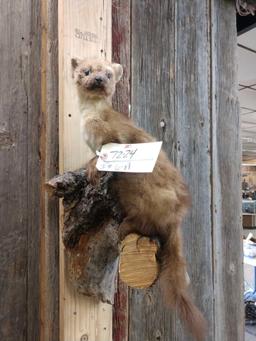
pixel 98 79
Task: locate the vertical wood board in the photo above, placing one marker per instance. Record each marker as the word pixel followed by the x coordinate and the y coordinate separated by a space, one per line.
pixel 19 169
pixel 185 75
pixel 226 179
pixel 193 148
pixel 84 31
pixel 33 97
pixel 121 102
pixel 152 101
pixel 49 152
pixel 121 36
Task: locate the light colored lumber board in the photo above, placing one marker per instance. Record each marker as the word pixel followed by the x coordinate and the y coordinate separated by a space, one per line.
pixel 84 31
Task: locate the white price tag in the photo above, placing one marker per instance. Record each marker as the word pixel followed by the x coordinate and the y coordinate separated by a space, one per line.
pixel 132 158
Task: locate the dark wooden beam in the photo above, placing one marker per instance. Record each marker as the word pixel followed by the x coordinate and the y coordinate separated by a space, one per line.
pixel 49 154
pixel 121 36
pixel 20 115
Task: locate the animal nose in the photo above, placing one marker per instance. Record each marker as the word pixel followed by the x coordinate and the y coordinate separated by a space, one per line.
pixel 98 79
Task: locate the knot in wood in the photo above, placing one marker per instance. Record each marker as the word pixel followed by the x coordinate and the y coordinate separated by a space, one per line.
pixel 158 335
pixel 162 124
pixel 84 337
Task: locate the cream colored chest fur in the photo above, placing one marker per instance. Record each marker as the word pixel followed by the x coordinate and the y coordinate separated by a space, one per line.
pixel 91 123
pixel 88 134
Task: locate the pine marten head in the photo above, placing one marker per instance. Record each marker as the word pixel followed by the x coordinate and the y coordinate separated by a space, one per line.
pixel 96 77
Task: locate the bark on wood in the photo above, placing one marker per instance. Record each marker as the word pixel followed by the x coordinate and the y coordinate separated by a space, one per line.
pixel 90 233
pixel 91 219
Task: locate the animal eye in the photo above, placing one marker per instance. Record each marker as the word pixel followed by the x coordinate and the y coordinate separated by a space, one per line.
pixel 87 72
pixel 109 75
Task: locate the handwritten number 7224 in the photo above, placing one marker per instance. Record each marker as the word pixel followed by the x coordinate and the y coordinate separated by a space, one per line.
pixel 123 155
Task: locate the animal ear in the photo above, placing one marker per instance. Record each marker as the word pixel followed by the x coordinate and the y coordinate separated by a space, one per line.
pixel 75 62
pixel 118 70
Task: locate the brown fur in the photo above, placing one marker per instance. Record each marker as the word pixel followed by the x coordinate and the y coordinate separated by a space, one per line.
pixel 154 203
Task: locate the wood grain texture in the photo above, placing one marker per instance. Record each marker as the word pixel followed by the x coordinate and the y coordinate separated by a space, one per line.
pixel 226 177
pixel 152 100
pixel 49 152
pixel 121 36
pixel 121 52
pixel 19 169
pixel 182 77
pixel 138 266
pixel 84 31
pixel 33 171
pixel 193 147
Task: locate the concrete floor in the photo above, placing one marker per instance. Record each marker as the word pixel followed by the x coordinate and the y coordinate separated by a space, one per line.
pixel 249 337
pixel 250 334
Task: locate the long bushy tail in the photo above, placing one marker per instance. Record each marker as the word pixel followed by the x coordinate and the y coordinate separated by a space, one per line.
pixel 174 284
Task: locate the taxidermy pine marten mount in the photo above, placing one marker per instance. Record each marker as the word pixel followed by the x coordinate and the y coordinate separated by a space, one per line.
pixel 151 204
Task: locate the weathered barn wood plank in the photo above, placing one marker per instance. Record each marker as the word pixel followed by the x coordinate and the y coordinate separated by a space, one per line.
pixel 226 181
pixel 152 101
pixel 121 54
pixel 121 32
pixel 19 169
pixel 177 55
pixel 33 97
pixel 49 152
pixel 84 31
pixel 193 153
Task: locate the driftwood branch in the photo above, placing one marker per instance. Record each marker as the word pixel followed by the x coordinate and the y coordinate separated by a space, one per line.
pixel 90 232
pixel 90 235
pixel 85 206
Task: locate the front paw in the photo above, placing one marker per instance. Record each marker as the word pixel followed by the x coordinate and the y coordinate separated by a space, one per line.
pixel 93 175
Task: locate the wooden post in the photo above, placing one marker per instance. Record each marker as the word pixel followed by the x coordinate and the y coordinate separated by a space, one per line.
pixel 184 77
pixel 84 31
pixel 49 153
pixel 20 119
pixel 153 101
pixel 121 35
pixel 193 147
pixel 226 176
